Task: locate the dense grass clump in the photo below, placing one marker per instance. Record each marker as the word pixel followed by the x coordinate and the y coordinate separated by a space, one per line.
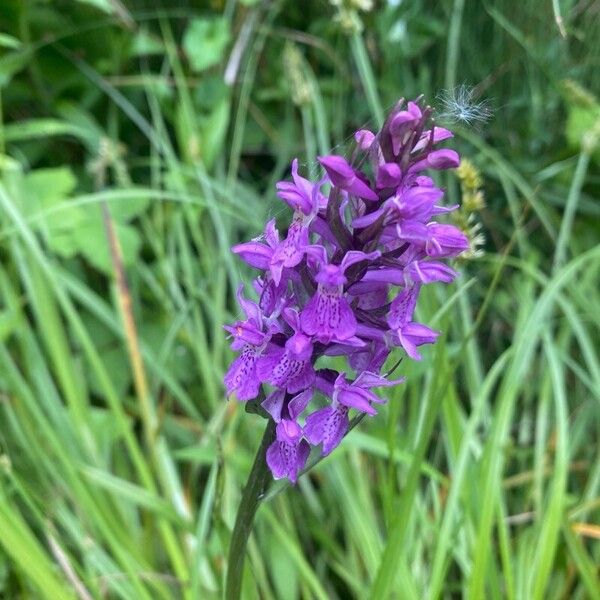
pixel 137 145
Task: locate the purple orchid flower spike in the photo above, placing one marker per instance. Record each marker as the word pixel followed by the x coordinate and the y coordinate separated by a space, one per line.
pixel 342 284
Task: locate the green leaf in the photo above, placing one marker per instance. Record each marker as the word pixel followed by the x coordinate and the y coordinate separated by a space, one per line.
pixel 146 44
pixel 92 243
pixel 103 5
pixel 213 131
pixel 8 324
pixel 204 42
pixel 79 230
pixel 580 121
pixel 8 41
pixel 12 63
pixel 44 188
pixel 131 492
pixel 125 210
pixel 40 128
pixel 83 121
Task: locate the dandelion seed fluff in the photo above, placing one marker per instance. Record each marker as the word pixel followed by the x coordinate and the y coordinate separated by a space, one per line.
pixel 459 105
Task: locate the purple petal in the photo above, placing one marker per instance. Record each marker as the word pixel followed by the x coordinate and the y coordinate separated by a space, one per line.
pixel 413 231
pixel 354 256
pixel 331 276
pixel 250 308
pixel 327 426
pixel 298 403
pixel 268 361
pixel 273 404
pixel 425 181
pixel 356 397
pixel 257 255
pixel 299 346
pixel 415 334
pixel 439 134
pixel 421 271
pixel 443 159
pixel 378 276
pixel 287 455
pixel 369 379
pixel 288 431
pixel 388 175
pixel 370 358
pixel 241 376
pixel 373 299
pixel 345 177
pixel 303 378
pixel 339 170
pixel 403 307
pixel 370 332
pixel 368 219
pixel 364 138
pixel 417 202
pixel 328 316
pixel 245 332
pixel 271 234
pixel 445 240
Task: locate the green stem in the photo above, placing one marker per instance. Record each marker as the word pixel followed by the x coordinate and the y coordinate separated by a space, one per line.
pixel 253 493
pixel 365 72
pixel 453 43
pixel 570 209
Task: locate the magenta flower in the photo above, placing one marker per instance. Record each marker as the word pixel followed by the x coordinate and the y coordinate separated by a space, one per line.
pixel 344 281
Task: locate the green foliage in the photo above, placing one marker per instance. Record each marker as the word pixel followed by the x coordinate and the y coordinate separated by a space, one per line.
pixel 71 230
pixel 121 463
pixel 205 41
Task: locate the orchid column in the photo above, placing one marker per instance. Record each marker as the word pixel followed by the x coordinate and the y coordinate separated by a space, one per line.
pixel 343 281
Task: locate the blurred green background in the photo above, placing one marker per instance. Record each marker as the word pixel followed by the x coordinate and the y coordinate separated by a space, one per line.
pixel 138 141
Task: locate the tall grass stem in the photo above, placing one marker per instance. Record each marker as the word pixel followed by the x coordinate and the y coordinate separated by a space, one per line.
pixel 367 78
pixel 570 209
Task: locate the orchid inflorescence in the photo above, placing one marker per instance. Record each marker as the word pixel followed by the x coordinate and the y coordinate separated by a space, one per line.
pixel 343 282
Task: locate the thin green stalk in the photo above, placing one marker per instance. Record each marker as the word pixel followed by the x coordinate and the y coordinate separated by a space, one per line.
pixel 558 18
pixel 365 72
pixel 2 148
pixel 252 495
pixel 453 43
pixel 571 208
